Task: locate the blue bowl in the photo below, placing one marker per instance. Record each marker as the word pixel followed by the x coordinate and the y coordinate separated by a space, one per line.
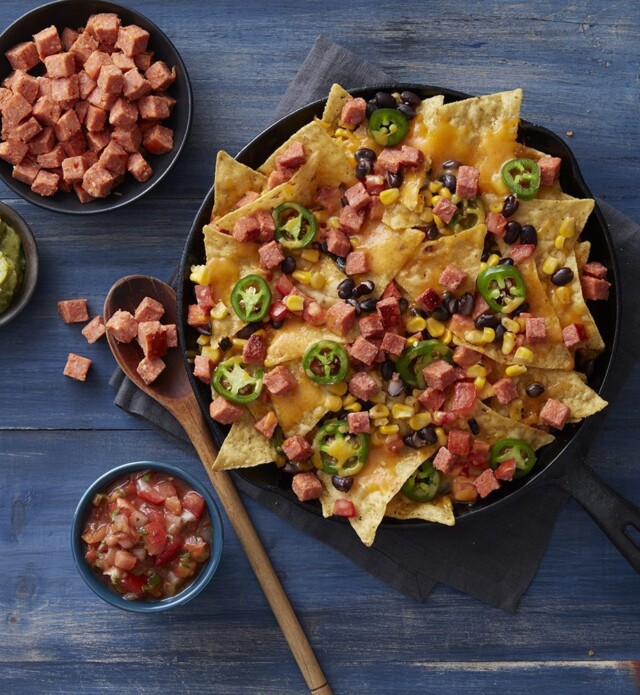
pixel 97 585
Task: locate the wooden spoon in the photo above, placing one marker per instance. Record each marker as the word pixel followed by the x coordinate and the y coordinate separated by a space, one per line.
pixel 173 390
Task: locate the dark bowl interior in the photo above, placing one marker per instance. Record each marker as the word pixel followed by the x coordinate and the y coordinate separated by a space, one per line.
pixel 606 314
pixel 74 13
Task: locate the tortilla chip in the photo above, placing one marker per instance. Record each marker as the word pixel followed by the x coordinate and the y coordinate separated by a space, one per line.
pixel 244 446
pixel 496 426
pixel 299 411
pixel 398 216
pixel 428 108
pixel 232 180
pixel 425 266
pixel 336 100
pixel 582 250
pixel 374 487
pixel 294 338
pixel 440 510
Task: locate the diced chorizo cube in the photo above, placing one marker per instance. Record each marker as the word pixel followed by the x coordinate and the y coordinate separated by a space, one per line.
pixel 554 413
pixel 255 350
pixel 390 159
pixel 110 79
pixel 505 390
pixel 45 183
pixel 297 448
pixel 371 327
pixel 16 109
pixel 393 443
pixel 357 262
pixel 152 338
pixel 496 223
pixel 467 182
pixel 292 158
pixel 314 314
pixel 359 423
pixel 431 399
pixel 267 225
pixel 95 62
pixel 247 198
pixel 65 88
pixel 83 196
pixel 104 26
pixel 376 209
pixel 149 309
pixel 155 107
pixel 150 368
pixel 81 108
pixel 143 60
pixel 505 470
pixel 574 334
pixel 132 40
pixel 203 368
pixel 463 397
pixel 445 209
pixel 27 130
pixel 73 310
pixel 204 297
pixel 364 351
pixel 135 85
pixel 98 141
pixel 85 85
pixel 594 288
pixel 429 299
pixel 278 177
pixel 306 486
pixel 25 84
pixel 411 157
pixel 94 330
pixel 160 76
pixel 374 184
pixel 549 170
pixel 340 318
pixel 100 99
pixel 486 483
pixel 224 412
pixel 444 460
pixel 465 357
pixel 327 197
pixel 535 330
pixel 353 112
pixel 480 306
pixel 26 171
pixel 97 181
pixel 459 442
pixel 5 95
pixel 267 425
pixel 68 38
pixel 363 386
pixel 198 317
pixel 122 62
pixel 73 169
pixel 357 196
pixel 43 142
pixel 138 167
pixel 114 159
pixel 338 243
pixel 122 326
pixel 75 146
pixel 60 65
pixel 47 42
pixel 595 270
pixel 129 139
pixel 520 252
pixel 23 56
pixel 246 228
pixel 95 119
pixel 83 47
pixel 158 140
pixel 280 381
pixel 123 114
pixel 270 255
pixel 393 343
pixel 67 126
pixel 350 220
pixel 389 310
pixel 77 367
pixel 452 277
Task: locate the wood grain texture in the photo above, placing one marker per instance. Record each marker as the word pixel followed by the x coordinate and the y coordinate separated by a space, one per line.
pixel 576 630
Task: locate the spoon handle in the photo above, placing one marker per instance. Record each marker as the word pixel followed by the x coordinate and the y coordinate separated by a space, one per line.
pixel 193 422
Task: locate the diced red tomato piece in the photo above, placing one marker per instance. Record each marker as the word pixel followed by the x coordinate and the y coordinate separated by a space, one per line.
pixel 197 548
pixel 155 538
pixel 284 286
pixel 148 493
pixel 172 504
pixel 165 488
pixel 125 506
pixel 344 508
pixel 278 311
pixel 152 512
pixel 132 583
pixel 194 503
pixel 125 560
pixel 169 553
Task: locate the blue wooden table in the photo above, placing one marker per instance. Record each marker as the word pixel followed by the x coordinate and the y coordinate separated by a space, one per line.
pixel 577 628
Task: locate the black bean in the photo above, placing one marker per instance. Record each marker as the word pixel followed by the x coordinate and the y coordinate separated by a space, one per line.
pixel 485 257
pixel 426 335
pixel 366 153
pixel 521 309
pixel 288 265
pixel 465 304
pixel 446 296
pixel 342 484
pixel 385 100
pixel 500 331
pixel 387 368
pixel 407 110
pixel 203 330
pixel 355 304
pixel 294 467
pixel 410 98
pixel 441 314
pixel 394 180
pixel 225 344
pixel 448 181
pixel 395 386
pixel 451 164
pixel 510 206
pixel 451 305
pixel 344 201
pixel 365 287
pixel 528 235
pixel 486 321
pixel 369 304
pixel 562 276
pixel 410 441
pixel 432 232
pixel 534 390
pixel 403 304
pixel 474 426
pixel 345 288
pixel 363 168
pixel 248 330
pixel 340 262
pixel 276 325
pixel 512 232
pixel 371 107
pixel 506 261
pixel 417 311
pixel 428 434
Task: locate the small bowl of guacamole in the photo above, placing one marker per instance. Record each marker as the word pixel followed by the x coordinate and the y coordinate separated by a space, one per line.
pixel 18 264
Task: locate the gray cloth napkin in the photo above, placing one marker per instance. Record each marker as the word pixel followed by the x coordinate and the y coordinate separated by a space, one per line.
pixel 494 557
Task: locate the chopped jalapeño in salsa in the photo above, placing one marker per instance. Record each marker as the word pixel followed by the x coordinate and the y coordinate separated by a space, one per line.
pixel 502 287
pixel 338 451
pixel 388 127
pixel 233 380
pixel 522 177
pixel 326 362
pixel 296 226
pixel 423 485
pixel 251 298
pixel 513 449
pixel 415 358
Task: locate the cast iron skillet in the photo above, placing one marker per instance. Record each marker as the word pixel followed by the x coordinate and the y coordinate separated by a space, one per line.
pixel 562 461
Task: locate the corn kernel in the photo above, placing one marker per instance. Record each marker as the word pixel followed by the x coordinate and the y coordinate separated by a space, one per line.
pixel 417 422
pixel 446 337
pixel 338 389
pixel 488 335
pixel 410 400
pixel 435 199
pixel 350 399
pixel 380 421
pixel 479 382
pixel 293 302
pixel 483 266
pixel 510 325
pixel 495 207
pixel 476 370
pixel 219 311
pixel 376 438
pixel 379 410
pixel 333 403
pixel 426 215
pixel 317 281
pixel 523 353
pixel 354 241
pixel 508 343
pixel 559 242
pixel 493 260
pixel 435 327
pixel 353 407
pixel 400 411
pixel 203 339
pixel 416 324
pixel 302 276
pixel 445 193
pixel 389 429
pixel 311 255
pixel 515 409
pixel 522 322
pixel 197 273
pixel 341 133
pixel 389 196
pixel 513 305
pixel 442 437
pixel 214 354
pixel 412 341
pixel 435 186
pixel 515 370
pixel 334 222
pixel 474 337
pixel 563 294
pixel 238 343
pixel 568 228
pixel 379 398
pixel 439 223
pixel 550 266
pixel 485 392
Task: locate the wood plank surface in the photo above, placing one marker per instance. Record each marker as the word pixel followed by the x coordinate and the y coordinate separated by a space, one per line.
pixel 577 628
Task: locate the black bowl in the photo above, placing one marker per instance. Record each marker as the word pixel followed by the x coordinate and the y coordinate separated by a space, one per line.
pixel 606 314
pixel 74 13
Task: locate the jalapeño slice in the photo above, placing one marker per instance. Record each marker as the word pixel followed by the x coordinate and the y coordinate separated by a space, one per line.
pixel 338 451
pixel 414 359
pixel 469 214
pixel 522 177
pixel 235 382
pixel 326 362
pixel 388 127
pixel 503 288
pixel 251 298
pixel 423 485
pixel 518 450
pixel 296 226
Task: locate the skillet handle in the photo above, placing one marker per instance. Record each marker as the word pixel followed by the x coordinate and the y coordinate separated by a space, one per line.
pixel 616 516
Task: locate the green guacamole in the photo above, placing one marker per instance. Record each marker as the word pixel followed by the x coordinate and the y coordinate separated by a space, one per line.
pixel 11 264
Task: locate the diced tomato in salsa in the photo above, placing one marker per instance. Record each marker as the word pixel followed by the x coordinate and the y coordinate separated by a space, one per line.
pixel 194 503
